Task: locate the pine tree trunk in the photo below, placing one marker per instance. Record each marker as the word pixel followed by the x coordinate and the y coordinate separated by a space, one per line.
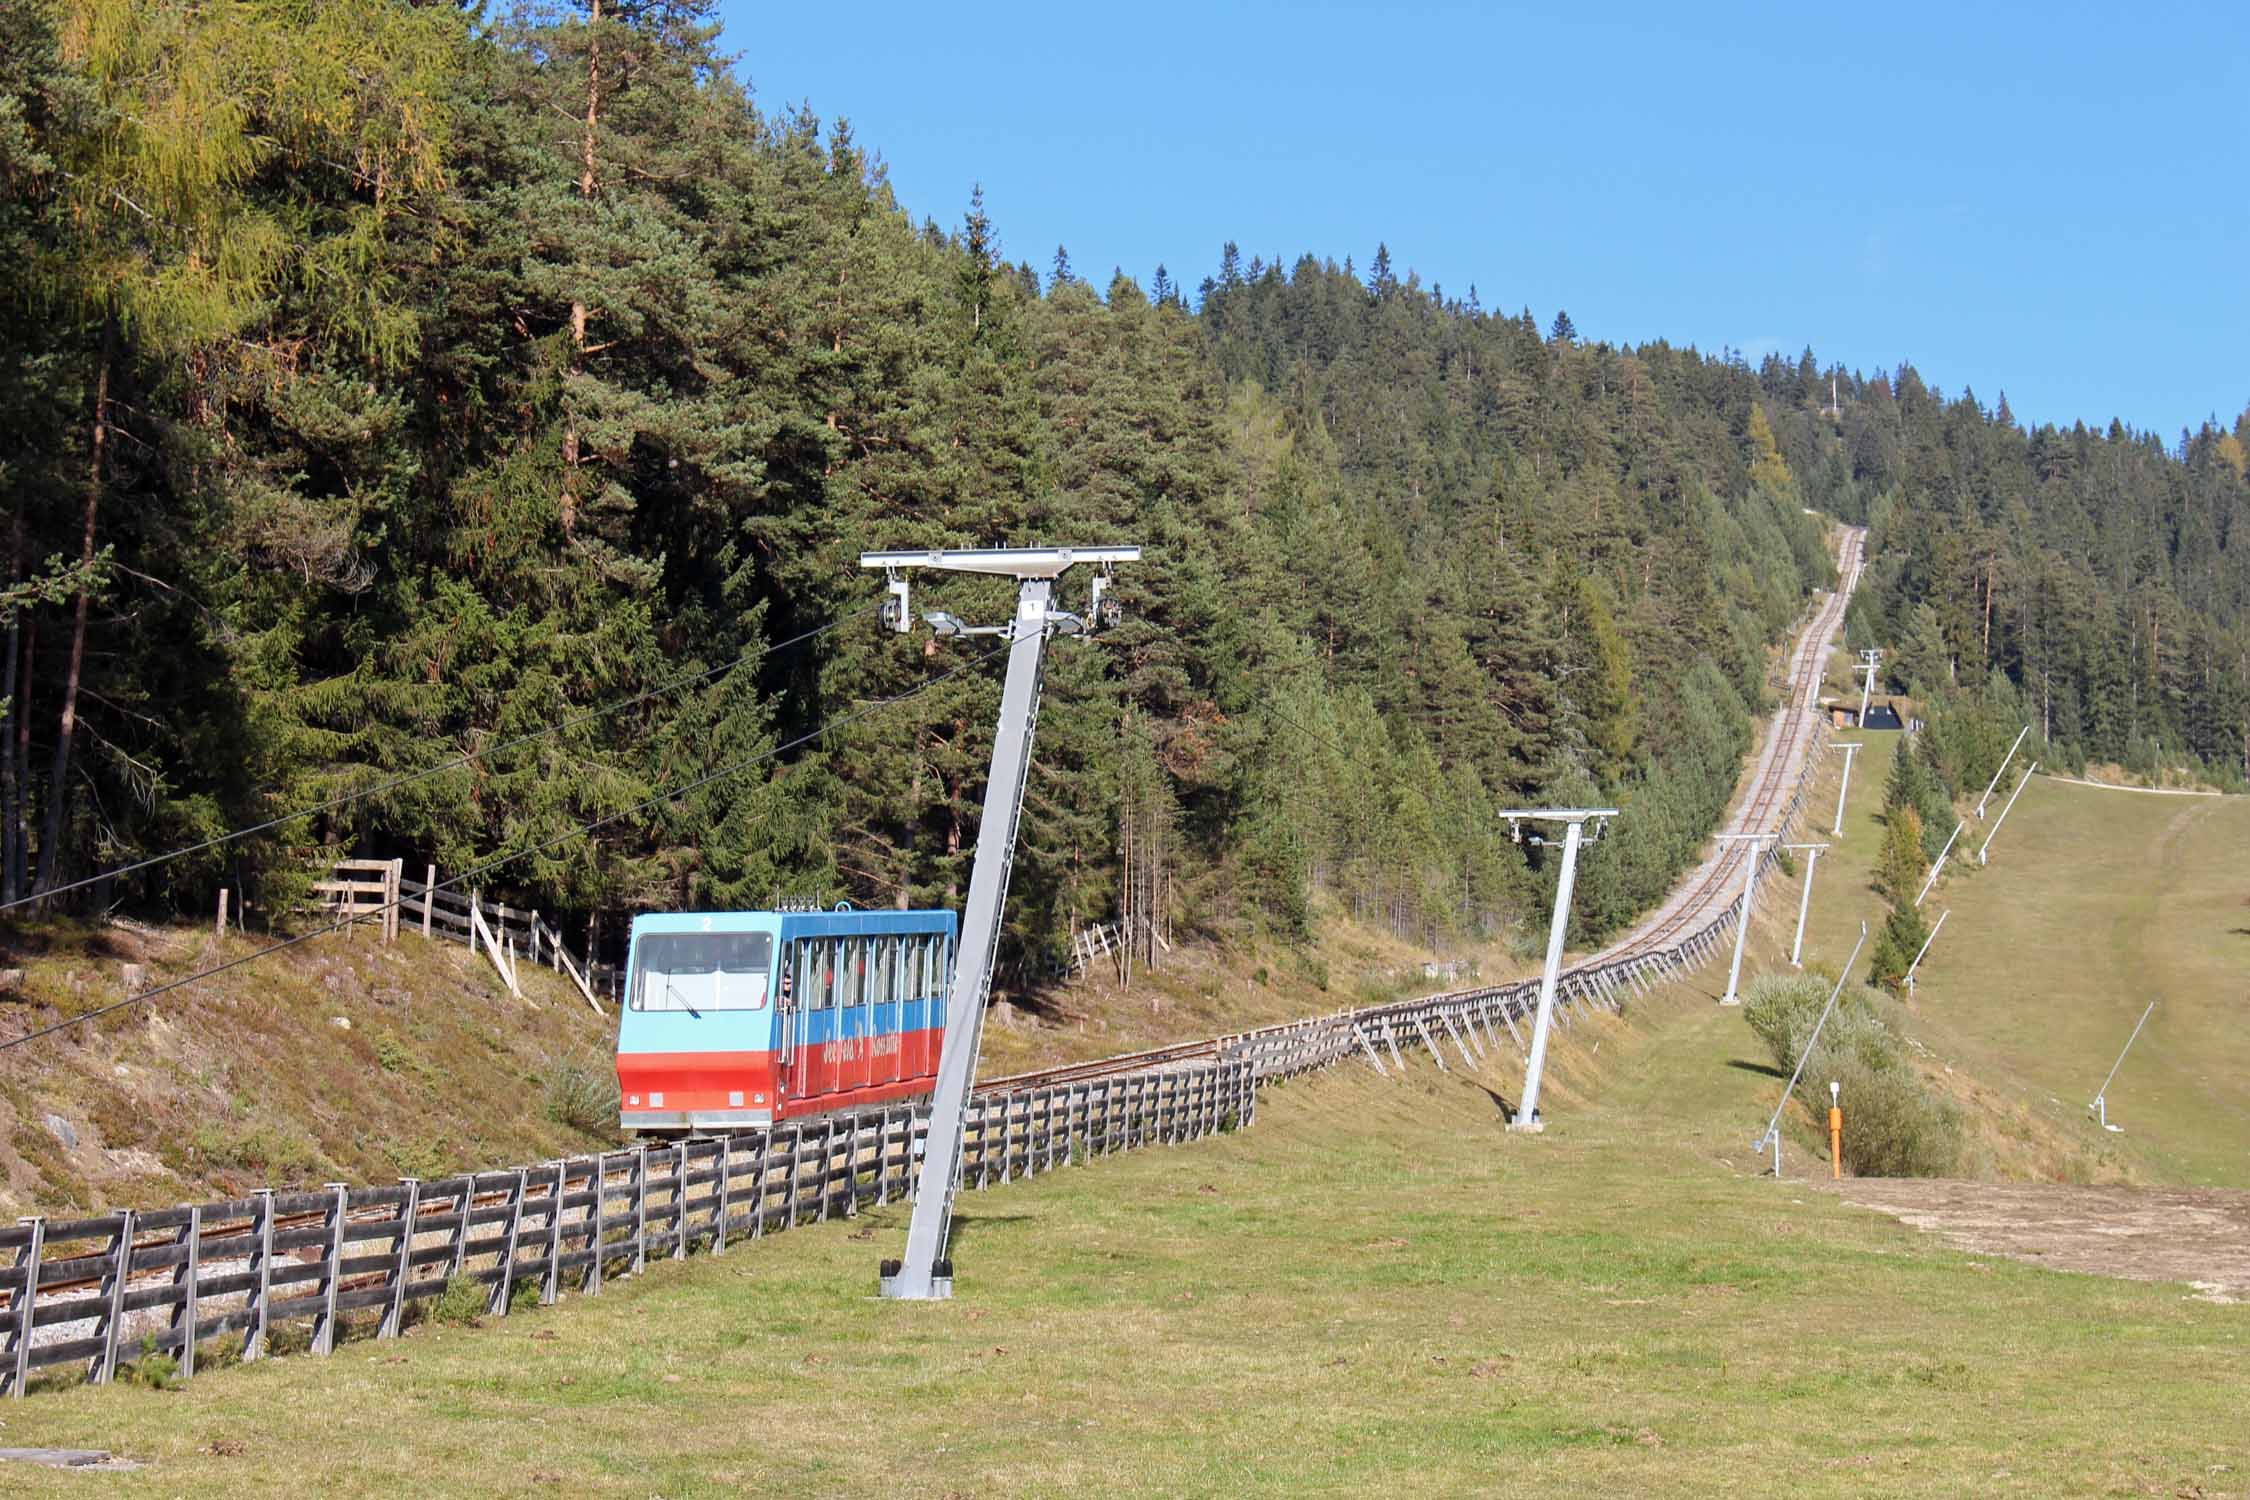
pixel 10 792
pixel 19 749
pixel 50 842
pixel 1125 889
pixel 578 309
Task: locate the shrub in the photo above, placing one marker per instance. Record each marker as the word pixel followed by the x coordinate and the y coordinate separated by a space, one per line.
pixel 159 1372
pixel 580 1094
pixel 1895 1124
pixel 464 1301
pixel 280 1155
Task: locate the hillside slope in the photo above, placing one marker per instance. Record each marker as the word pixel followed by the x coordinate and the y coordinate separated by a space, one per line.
pixel 1374 1289
pixel 2097 902
pixel 255 1079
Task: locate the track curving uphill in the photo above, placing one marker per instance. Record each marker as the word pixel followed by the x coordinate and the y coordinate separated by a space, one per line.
pixel 1795 732
pixel 1686 919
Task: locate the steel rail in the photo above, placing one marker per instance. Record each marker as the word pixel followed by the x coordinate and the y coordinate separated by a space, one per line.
pixel 1705 901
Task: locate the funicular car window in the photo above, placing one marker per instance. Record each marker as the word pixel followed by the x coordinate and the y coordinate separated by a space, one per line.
pixel 698 971
pixel 883 972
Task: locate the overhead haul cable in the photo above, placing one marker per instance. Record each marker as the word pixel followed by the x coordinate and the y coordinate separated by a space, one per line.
pixel 734 768
pixel 469 757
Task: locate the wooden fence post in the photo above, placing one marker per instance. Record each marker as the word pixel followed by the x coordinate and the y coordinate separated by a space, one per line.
pixel 394 1316
pixel 464 1203
pixel 113 1295
pixel 821 1183
pixel 503 1288
pixel 185 1276
pixel 640 1209
pixel 759 1186
pixel 726 1166
pixel 429 898
pixel 25 1303
pixel 324 1324
pixel 220 931
pixel 261 1250
pixel 679 1200
pixel 796 1149
pixel 550 1285
pixel 593 1282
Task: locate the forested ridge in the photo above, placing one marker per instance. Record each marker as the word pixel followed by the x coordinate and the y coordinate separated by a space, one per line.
pixel 390 381
pixel 2096 577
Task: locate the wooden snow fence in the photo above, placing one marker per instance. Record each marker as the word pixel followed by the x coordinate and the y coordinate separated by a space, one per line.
pixel 364 889
pixel 301 1270
pixel 372 889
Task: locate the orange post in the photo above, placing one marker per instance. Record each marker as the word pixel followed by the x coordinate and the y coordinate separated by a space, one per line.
pixel 1835 1141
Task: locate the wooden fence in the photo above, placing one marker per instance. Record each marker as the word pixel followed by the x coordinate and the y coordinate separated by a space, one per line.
pixel 379 890
pixel 100 1292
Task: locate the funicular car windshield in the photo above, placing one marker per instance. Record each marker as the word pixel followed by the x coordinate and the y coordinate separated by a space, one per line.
pixel 703 971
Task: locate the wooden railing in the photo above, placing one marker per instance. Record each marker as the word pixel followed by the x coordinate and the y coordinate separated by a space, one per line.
pixel 379 890
pixel 94 1294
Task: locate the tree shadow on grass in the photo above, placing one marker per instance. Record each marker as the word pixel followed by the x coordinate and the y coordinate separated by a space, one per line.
pixel 1507 1110
pixel 961 1223
pixel 1755 1067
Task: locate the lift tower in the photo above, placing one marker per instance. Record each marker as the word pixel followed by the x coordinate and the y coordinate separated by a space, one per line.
pixel 1574 821
pixel 926 1273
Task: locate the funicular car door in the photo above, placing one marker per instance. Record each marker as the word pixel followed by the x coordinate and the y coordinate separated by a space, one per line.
pixel 843 998
pixel 890 1064
pixel 937 988
pixel 810 975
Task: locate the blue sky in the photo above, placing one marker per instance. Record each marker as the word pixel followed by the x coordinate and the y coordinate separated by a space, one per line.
pixel 2050 200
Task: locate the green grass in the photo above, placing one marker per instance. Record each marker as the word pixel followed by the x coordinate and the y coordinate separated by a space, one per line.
pixel 1374 1290
pixel 1377 1290
pixel 2095 903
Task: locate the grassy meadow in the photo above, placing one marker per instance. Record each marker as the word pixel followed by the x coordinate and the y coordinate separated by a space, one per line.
pixel 2095 903
pixel 1373 1289
pixel 1376 1289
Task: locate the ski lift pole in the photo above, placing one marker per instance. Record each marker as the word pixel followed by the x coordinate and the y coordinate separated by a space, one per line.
pixel 1804 900
pixel 1910 968
pixel 1938 868
pixel 2004 760
pixel 1574 820
pixel 1843 789
pixel 1773 1126
pixel 1757 847
pixel 2032 771
pixel 2100 1106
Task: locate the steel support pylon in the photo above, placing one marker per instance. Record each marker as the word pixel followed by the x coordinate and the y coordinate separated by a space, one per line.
pixel 1843 790
pixel 1756 844
pixel 1804 901
pixel 925 1273
pixel 1527 1115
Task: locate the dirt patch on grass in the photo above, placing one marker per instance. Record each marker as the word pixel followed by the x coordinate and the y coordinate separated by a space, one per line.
pixel 2197 1235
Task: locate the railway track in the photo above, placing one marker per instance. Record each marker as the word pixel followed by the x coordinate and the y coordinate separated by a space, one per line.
pixel 1700 899
pixel 1709 888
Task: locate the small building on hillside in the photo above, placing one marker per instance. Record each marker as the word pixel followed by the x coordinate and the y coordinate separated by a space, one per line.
pixel 1881 714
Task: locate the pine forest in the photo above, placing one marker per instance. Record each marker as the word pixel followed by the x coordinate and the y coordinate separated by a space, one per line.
pixel 390 383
